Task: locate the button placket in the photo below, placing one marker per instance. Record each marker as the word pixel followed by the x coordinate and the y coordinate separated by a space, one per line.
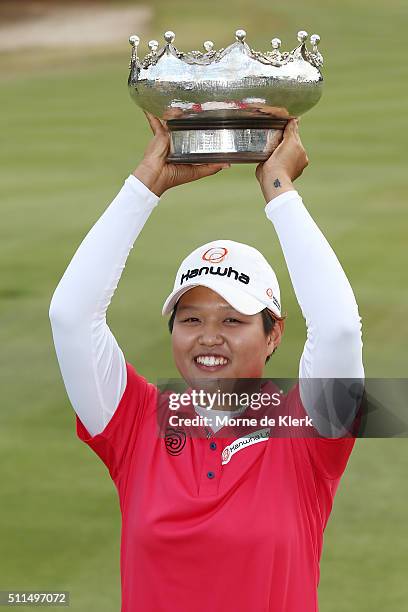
pixel 211 469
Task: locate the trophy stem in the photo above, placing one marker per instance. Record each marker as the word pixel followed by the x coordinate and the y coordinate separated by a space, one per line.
pixel 215 140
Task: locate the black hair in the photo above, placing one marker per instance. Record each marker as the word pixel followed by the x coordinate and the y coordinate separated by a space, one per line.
pixel 267 319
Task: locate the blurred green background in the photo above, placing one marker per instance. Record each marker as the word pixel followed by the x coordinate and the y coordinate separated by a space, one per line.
pixel 70 137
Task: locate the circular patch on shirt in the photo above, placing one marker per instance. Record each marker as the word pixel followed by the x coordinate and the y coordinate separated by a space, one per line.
pixel 175 440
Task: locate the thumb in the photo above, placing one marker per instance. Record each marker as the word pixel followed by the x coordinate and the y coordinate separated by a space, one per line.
pixel 258 170
pixel 160 145
pixel 291 129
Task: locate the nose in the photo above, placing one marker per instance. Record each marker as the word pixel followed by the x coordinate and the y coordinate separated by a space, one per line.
pixel 210 336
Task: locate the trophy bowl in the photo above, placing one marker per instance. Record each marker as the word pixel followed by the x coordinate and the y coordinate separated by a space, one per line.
pixel 226 105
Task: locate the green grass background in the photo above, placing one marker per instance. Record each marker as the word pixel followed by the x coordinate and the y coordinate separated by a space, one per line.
pixel 70 137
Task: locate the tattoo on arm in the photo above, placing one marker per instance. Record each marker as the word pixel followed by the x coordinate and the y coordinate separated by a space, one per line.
pixel 277 183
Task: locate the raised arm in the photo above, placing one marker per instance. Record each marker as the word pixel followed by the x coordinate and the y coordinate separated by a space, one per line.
pixel 333 349
pixel 91 362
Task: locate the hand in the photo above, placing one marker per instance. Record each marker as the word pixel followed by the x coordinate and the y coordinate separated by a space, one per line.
pixel 159 175
pixel 285 165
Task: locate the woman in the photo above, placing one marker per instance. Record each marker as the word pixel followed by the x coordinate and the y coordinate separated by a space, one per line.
pixel 213 525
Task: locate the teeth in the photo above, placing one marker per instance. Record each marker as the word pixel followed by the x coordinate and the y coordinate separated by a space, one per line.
pixel 209 360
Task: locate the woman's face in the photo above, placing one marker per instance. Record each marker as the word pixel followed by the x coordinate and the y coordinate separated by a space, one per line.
pixel 212 339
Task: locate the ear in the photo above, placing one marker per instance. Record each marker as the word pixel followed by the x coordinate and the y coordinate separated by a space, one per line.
pixel 275 337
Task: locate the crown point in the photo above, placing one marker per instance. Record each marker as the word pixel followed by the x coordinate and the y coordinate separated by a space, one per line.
pixel 314 40
pixel 208 45
pixel 153 45
pixel 302 36
pixel 134 40
pixel 240 35
pixel 276 43
pixel 169 36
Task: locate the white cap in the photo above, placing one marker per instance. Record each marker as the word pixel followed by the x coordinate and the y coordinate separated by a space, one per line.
pixel 237 272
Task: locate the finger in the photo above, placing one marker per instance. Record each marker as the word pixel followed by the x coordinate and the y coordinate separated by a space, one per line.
pixel 296 133
pixel 147 115
pixel 291 132
pixel 164 125
pixel 219 166
pixel 158 124
pixel 258 169
pixel 290 129
pixel 154 123
pixel 296 125
pixel 160 146
pixel 202 170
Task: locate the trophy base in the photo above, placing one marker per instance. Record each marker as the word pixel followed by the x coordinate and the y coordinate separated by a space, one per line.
pixel 232 140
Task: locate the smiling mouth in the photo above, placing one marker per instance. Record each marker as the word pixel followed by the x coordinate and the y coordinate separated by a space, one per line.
pixel 211 362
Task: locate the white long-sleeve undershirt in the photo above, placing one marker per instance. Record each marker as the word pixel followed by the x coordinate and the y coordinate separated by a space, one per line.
pixel 92 364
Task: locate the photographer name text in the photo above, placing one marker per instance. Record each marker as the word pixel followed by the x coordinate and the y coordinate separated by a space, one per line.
pixel 222 421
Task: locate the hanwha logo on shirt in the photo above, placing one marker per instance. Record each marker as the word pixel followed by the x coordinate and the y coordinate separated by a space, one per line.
pixel 175 440
pixel 262 435
pixel 215 254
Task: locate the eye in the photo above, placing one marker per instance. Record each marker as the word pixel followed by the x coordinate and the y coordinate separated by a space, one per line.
pixel 232 320
pixel 190 320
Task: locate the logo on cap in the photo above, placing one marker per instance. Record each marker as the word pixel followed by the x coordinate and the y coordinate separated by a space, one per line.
pixel 215 254
pixel 269 292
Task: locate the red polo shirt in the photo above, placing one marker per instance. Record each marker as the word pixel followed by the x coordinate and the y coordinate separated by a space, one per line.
pixel 200 535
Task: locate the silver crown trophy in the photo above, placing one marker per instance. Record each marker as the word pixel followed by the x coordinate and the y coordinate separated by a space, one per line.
pixel 229 105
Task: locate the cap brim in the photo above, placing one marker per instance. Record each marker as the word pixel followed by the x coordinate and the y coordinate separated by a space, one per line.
pixel 239 300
